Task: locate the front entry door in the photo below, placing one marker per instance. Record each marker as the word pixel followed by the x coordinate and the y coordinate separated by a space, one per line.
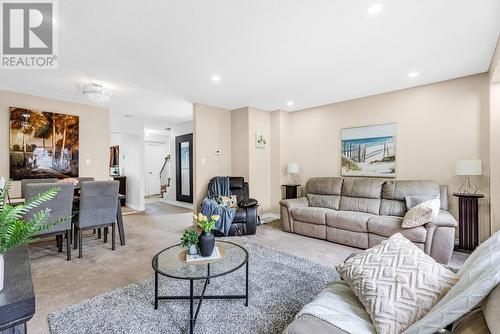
pixel 184 168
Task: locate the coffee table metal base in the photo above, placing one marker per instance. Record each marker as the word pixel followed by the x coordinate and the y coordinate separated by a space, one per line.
pixel 193 315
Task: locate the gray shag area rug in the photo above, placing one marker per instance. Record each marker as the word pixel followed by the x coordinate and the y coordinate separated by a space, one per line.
pixel 280 285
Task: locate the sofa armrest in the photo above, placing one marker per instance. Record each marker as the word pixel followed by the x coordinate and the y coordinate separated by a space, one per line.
pixel 440 238
pixel 290 204
pixel 249 202
pixel 443 219
pixel 287 205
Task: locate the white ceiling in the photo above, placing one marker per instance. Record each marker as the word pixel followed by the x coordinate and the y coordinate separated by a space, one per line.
pixel 158 57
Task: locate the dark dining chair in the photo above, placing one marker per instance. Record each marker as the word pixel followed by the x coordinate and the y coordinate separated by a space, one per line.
pixel 76 203
pixel 98 203
pixel 24 182
pixel 60 207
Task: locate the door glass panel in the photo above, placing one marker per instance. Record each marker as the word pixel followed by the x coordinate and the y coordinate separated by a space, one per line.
pixel 185 186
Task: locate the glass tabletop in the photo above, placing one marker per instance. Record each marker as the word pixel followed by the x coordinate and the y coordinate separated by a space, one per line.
pixel 171 262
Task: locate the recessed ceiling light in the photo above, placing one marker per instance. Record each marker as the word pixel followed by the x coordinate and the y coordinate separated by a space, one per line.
pixel 289 103
pixel 215 78
pixel 413 74
pixel 375 8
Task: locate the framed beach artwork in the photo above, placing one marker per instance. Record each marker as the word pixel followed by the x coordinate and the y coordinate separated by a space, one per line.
pixel 369 151
pixel 43 144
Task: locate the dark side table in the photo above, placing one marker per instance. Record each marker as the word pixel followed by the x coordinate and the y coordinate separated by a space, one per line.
pixel 291 190
pixel 468 220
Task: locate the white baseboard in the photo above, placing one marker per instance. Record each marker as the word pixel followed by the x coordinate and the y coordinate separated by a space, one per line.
pixel 177 203
pixel 269 217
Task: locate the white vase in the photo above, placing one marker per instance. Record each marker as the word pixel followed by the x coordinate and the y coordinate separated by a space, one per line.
pixel 1 272
pixel 192 250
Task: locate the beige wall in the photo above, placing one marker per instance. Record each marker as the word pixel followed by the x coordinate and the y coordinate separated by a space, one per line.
pixel 279 156
pixel 259 178
pixel 494 70
pixel 212 131
pixel 240 144
pixel 495 155
pixel 436 125
pixel 494 74
pixel 94 132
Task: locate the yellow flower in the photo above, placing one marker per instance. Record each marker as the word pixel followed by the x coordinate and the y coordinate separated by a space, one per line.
pixel 215 217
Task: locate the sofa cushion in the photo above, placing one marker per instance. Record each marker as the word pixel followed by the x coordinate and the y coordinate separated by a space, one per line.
pixel 324 201
pixel 398 190
pixel 396 282
pixel 389 225
pixel 392 207
pixel 471 323
pixel 348 220
pixel 310 230
pixel 491 310
pixel 394 195
pixel 367 188
pixel 345 237
pixel 360 204
pixel 310 215
pixel 310 324
pixel 324 185
pixel 340 308
pixel 444 219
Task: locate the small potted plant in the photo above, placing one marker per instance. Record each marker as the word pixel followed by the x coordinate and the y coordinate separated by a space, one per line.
pixel 14 230
pixel 207 239
pixel 189 240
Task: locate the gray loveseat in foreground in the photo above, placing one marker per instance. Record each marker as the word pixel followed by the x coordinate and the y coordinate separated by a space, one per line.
pixel 363 212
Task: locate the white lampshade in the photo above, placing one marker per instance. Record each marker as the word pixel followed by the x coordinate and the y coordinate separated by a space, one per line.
pixel 292 168
pixel 468 167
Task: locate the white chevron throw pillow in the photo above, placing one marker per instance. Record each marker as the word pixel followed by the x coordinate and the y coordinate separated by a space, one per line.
pixel 396 282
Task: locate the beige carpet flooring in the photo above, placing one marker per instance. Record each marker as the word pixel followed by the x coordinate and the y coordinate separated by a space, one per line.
pixel 59 283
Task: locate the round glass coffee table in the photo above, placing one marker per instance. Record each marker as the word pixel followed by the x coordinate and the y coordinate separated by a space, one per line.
pixel 171 262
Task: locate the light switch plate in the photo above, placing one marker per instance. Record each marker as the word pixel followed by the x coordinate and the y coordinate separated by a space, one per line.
pixel 88 162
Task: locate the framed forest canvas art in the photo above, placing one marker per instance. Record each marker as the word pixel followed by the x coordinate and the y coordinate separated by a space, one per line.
pixel 43 144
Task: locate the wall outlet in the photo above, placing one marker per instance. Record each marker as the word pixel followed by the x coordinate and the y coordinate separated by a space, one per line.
pixel 88 162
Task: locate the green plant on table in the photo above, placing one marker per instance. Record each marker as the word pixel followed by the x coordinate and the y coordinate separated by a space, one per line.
pixel 204 223
pixel 189 238
pixel 14 230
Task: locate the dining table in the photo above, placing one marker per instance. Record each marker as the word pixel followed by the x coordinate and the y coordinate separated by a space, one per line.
pixel 76 201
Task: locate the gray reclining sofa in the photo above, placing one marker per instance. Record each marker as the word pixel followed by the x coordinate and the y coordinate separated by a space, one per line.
pixel 361 212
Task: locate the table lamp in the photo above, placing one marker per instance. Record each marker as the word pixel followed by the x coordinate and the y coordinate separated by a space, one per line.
pixel 468 168
pixel 292 168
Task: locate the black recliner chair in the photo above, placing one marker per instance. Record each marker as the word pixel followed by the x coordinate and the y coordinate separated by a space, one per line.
pixel 246 219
